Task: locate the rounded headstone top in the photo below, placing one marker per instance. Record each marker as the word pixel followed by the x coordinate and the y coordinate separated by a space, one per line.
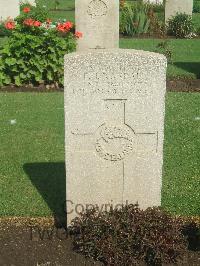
pixel 120 53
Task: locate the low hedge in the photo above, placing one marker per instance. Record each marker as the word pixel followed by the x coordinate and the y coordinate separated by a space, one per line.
pixel 129 236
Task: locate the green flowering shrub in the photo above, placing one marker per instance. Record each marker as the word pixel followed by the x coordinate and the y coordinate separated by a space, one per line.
pixel 196 6
pixel 29 59
pixel 37 12
pixel 3 31
pixel 180 25
pixel 34 52
pixel 134 19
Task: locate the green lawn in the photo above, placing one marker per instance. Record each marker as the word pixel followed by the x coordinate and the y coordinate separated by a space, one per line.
pixel 63 4
pixel 185 55
pixel 36 139
pixel 68 7
pixel 32 176
pixel 196 20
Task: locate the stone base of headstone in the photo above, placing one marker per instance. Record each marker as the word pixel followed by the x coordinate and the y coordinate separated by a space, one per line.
pixel 114 128
pixel 172 7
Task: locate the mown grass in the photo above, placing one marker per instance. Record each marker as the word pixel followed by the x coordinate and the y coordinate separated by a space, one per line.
pixel 181 182
pixel 185 55
pixel 32 175
pixel 37 137
pixel 65 9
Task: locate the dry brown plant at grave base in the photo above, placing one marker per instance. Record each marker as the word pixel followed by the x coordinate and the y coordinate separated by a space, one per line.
pixel 129 236
pixel 122 3
pixel 156 27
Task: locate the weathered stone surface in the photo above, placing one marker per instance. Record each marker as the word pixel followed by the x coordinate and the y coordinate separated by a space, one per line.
pixel 9 8
pixel 177 6
pixel 98 20
pixel 114 119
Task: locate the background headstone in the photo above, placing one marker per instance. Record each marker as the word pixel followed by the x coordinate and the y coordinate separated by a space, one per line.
pixel 114 128
pixel 98 20
pixel 9 8
pixel 177 6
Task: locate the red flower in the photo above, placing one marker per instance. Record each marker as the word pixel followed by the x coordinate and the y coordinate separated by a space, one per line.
pixel 78 34
pixel 60 27
pixel 26 9
pixel 68 25
pixel 29 22
pixel 65 27
pixel 10 25
pixel 37 23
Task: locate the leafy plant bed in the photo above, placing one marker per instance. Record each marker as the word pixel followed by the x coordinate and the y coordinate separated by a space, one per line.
pixel 176 85
pixel 44 45
pixel 131 236
pixel 25 241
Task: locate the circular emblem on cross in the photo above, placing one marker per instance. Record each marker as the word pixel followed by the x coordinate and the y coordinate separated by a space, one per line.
pixel 97 8
pixel 114 143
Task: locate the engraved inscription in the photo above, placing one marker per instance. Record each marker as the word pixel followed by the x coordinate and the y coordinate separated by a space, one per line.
pixel 114 143
pixel 115 83
pixel 100 33
pixel 97 8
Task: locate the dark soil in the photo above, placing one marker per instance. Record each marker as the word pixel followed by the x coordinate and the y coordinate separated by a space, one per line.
pixel 188 85
pixel 38 246
pixel 31 88
pixel 152 36
pixel 181 85
pixel 42 244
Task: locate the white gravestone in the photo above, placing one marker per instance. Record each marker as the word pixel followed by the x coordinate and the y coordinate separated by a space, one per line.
pixel 98 20
pixel 177 6
pixel 114 128
pixel 9 9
